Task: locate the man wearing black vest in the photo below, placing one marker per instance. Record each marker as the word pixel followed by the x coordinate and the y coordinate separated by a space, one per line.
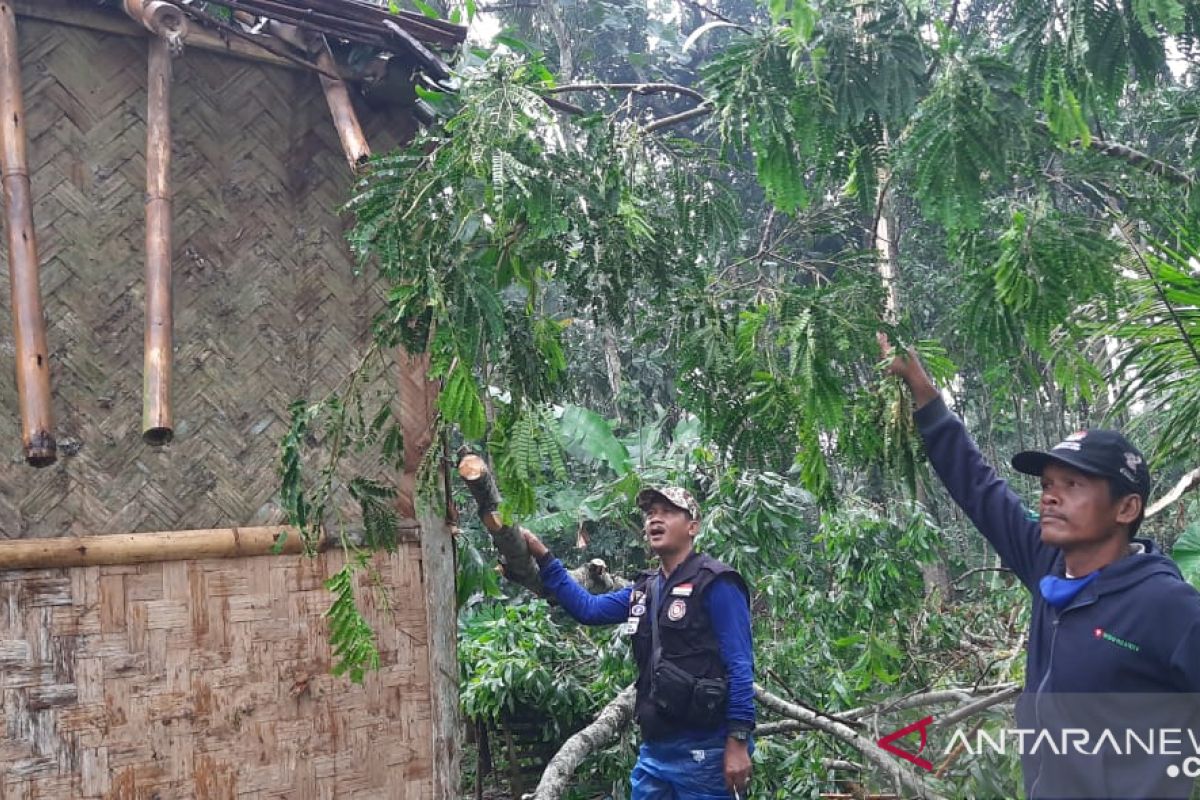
pixel 695 686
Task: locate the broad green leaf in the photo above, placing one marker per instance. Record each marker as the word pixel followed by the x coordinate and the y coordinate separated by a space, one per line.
pixel 587 433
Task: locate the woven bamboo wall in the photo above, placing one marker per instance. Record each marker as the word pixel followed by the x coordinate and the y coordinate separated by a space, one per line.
pixel 207 679
pixel 197 679
pixel 267 308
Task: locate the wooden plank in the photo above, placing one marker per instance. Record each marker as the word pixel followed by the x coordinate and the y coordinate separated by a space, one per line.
pixel 142 548
pixel 437 575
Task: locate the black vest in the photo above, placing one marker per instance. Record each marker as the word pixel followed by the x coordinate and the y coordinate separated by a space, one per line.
pixel 685 634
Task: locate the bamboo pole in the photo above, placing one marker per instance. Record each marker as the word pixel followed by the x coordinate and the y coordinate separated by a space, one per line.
pixel 157 424
pixel 354 142
pixel 29 325
pixel 160 18
pixel 337 95
pixel 141 548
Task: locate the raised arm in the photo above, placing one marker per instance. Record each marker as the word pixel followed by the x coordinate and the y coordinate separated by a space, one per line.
pixel 984 496
pixel 590 609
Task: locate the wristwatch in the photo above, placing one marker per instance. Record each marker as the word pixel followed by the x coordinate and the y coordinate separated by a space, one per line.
pixel 740 734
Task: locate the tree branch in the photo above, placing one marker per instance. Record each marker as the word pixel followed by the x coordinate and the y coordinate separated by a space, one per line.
pixel 675 119
pixel 909 780
pixel 703 9
pixel 615 716
pixel 1135 158
pixel 635 88
pixel 973 708
pixel 924 699
pixel 563 105
pixel 978 570
pixel 618 714
pixel 1186 484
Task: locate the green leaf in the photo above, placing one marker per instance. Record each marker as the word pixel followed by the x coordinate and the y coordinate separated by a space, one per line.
pixel 426 9
pixel 587 433
pixel 1186 551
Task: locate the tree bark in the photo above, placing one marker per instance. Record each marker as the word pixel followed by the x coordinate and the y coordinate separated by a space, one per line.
pixel 519 566
pixel 910 781
pixel 608 725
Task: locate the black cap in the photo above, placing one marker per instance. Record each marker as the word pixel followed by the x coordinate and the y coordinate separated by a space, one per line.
pixel 1097 452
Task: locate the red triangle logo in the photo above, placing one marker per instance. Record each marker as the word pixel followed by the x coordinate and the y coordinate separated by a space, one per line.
pixel 921 725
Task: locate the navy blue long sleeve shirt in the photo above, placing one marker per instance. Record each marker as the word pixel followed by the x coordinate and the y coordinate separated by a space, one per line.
pixel 726 606
pixel 1134 630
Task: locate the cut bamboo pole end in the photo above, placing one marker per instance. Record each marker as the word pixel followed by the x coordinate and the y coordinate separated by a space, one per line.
pixel 345 120
pixel 165 20
pixel 29 326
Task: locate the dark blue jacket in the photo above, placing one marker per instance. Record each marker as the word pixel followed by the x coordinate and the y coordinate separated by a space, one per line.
pixel 1134 629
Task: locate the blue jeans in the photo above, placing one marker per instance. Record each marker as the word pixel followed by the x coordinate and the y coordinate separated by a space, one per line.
pixel 689 769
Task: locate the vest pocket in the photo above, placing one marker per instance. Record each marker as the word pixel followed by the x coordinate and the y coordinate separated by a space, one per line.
pixel 679 695
pixel 671 690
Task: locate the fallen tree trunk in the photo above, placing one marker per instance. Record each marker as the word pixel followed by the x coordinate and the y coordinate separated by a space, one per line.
pixel 608 725
pixel 619 713
pixel 909 780
pixel 519 566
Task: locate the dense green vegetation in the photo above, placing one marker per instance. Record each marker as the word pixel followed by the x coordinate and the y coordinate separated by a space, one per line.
pixel 683 282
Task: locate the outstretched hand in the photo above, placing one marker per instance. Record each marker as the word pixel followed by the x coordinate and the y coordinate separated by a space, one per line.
pixel 901 364
pixel 907 367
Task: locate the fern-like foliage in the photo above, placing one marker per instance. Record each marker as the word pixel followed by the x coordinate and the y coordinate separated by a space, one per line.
pixel 781 385
pixel 812 101
pixel 351 638
pixel 1159 358
pixel 1040 269
pixel 965 134
pixel 472 225
pixel 765 106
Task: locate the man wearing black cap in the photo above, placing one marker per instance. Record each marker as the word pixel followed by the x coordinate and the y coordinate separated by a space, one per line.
pixel 689 624
pixel 1111 614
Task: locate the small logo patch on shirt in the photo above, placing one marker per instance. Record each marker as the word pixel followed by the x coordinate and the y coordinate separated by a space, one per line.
pixel 682 590
pixel 1104 635
pixel 676 610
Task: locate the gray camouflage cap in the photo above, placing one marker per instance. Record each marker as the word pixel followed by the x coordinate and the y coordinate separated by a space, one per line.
pixel 675 495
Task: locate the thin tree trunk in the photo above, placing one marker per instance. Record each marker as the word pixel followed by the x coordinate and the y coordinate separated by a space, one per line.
pixel 515 787
pixel 480 744
pixel 936 574
pixel 612 362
